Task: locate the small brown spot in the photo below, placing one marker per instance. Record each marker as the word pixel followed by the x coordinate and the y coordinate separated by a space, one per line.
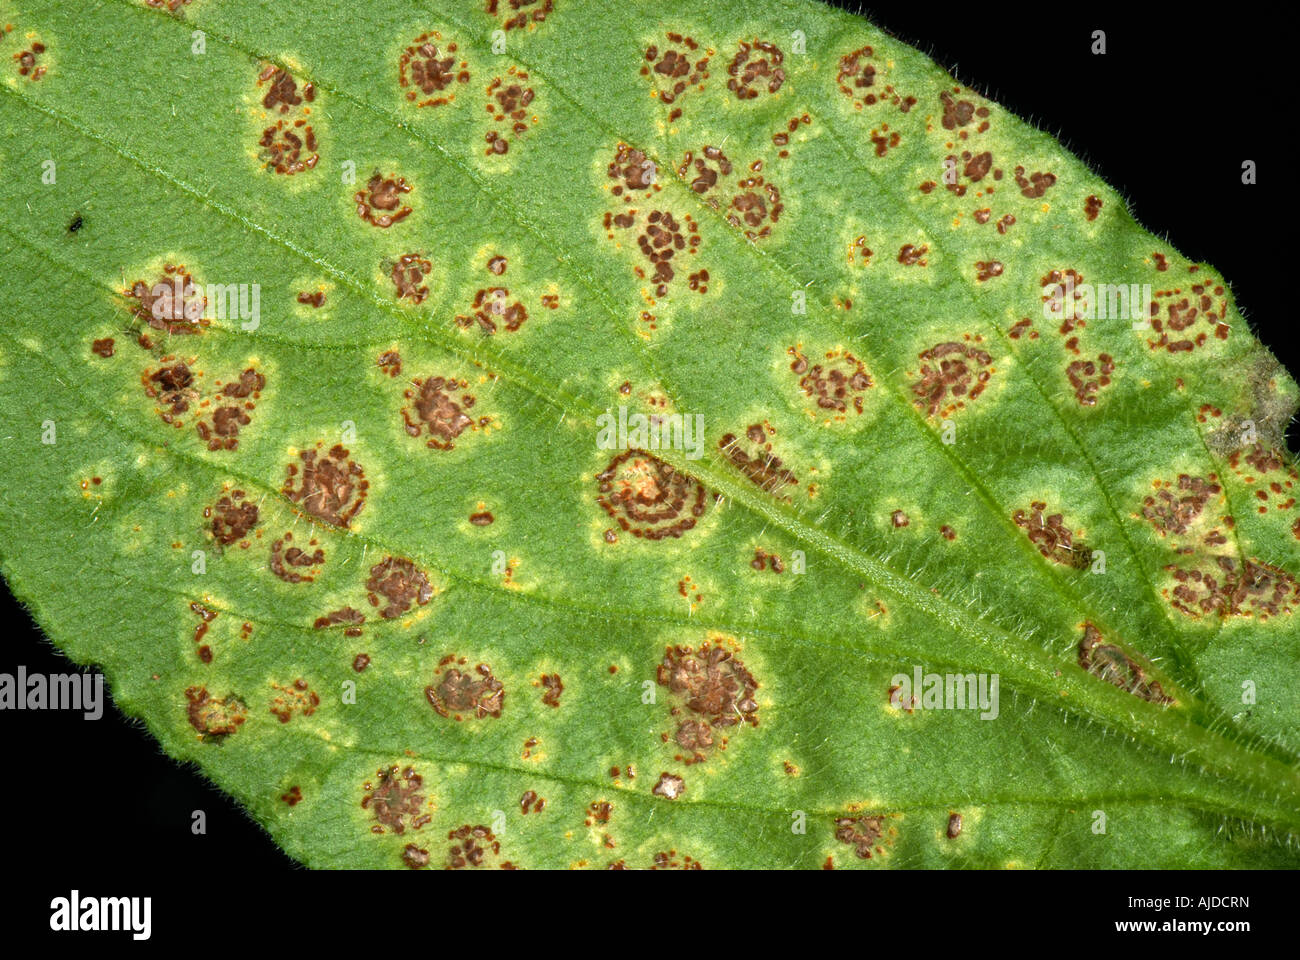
pixel 396 801
pixel 669 786
pixel 380 202
pixel 331 487
pixel 478 693
pixel 414 857
pixel 1113 665
pixel 648 497
pixel 863 834
pixel 553 688
pixel 1051 536
pixel 475 847
pixel 286 560
pixel 430 67
pixel 755 67
pixel 215 718
pixel 408 273
pixel 233 517
pixel 953 370
pixel 400 583
pixel 102 348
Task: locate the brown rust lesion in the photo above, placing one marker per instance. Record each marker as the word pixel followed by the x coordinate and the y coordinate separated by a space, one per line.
pixel 1112 664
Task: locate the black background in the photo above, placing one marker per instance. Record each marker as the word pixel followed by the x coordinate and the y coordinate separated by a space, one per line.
pixel 1166 116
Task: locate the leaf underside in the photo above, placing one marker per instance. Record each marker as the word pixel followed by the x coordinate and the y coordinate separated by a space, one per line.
pixel 364 555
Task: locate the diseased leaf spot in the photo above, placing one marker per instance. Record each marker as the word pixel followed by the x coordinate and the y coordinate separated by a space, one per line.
pixel 764 560
pixel 223 432
pixel 1230 587
pixel 507 104
pixel 951 371
pixel 379 203
pixel 395 800
pixel 669 786
pixel 233 517
pixel 1263 461
pixel 206 616
pixel 599 811
pixel 883 140
pixel 520 14
pixel 423 69
pixel 173 302
pixel 668 860
pixel 315 299
pixel 390 362
pixel 956 113
pixel 530 802
pixel 867 835
pixel 102 348
pixel 755 67
pixel 1052 538
pixel 1173 513
pixel 330 487
pixel 350 619
pixel 754 202
pixel 859 79
pixel 454 694
pixel 287 560
pixel 29 64
pixel 954 826
pixel 1034 185
pixel 986 270
pixel 400 583
pixel 475 847
pixel 174 389
pixel 899 519
pixel 297 698
pixel 360 662
pixel 1174 312
pixel 717 690
pixel 1087 377
pixel 1091 207
pixel 675 69
pixel 552 688
pixel 650 498
pixel 910 255
pixel 760 466
pixel 492 305
pixel 408 273
pixel 1021 327
pixel 415 857
pixel 215 718
pixel 293 797
pixel 1113 665
pixel 434 408
pixel 288 146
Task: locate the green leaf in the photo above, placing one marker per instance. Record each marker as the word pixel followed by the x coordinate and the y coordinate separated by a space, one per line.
pixel 911 459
